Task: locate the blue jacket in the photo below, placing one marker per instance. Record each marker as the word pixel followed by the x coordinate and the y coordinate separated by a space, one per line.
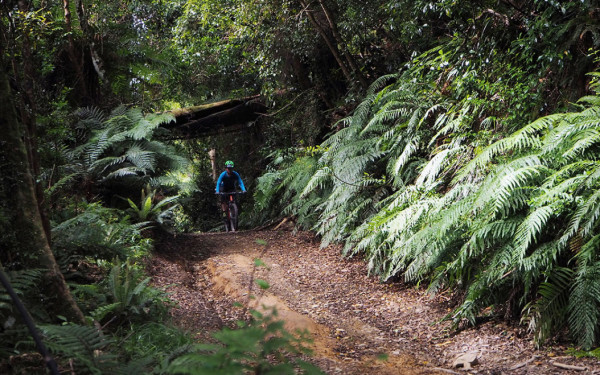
pixel 226 183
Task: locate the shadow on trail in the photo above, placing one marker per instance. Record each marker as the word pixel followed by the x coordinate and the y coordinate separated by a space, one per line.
pixel 184 249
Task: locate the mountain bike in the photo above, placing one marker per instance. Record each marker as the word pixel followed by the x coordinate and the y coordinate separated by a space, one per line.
pixel 231 223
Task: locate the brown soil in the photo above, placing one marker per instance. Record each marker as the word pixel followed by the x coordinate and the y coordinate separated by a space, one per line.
pixel 359 325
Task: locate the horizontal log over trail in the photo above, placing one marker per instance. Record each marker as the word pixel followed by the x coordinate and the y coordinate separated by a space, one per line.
pixel 215 118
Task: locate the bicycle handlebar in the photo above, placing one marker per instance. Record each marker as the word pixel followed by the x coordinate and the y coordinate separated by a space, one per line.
pixel 231 193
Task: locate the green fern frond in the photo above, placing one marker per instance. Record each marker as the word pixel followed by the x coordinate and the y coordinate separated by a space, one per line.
pixel 97 146
pixel 583 142
pixel 103 311
pixel 86 346
pixel 588 252
pixel 546 315
pixel 498 188
pixel 489 236
pixel 436 165
pixel 532 227
pixel 590 100
pixel 141 158
pixel 142 130
pixel 572 172
pixel 395 165
pixel 512 183
pixel 91 113
pixel 526 139
pixel 541 259
pixel 24 282
pixel 361 114
pixel 380 83
pixel 571 126
pixel 125 172
pixel 447 123
pixel 584 304
pixel 382 118
pixel 317 181
pixel 120 110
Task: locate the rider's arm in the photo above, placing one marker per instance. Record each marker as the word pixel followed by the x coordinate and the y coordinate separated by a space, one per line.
pixel 240 181
pixel 219 182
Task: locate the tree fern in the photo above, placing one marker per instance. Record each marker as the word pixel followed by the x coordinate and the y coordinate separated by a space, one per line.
pixel 120 150
pixel 96 232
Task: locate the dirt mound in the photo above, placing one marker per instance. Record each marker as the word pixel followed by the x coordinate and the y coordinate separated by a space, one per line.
pixel 359 325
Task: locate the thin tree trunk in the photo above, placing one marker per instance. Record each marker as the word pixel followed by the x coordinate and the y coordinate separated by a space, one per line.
pixel 212 154
pixel 330 44
pixel 27 221
pixel 349 58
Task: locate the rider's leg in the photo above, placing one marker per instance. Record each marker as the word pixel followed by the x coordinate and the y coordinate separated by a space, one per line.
pixel 224 210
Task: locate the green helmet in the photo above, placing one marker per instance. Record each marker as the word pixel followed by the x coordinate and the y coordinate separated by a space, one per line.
pixel 228 164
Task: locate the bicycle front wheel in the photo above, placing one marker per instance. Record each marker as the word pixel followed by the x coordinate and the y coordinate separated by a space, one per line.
pixel 233 217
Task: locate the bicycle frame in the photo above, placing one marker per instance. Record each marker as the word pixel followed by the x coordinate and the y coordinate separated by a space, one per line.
pixel 231 223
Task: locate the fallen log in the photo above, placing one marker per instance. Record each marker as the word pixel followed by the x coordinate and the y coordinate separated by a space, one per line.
pixel 215 118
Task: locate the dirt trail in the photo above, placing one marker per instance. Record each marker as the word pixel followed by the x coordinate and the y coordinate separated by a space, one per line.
pixel 359 325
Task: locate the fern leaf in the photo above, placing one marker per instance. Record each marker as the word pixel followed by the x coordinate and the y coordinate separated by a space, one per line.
pixel 526 139
pixel 547 314
pixel 532 227
pixel 584 304
pixel 584 218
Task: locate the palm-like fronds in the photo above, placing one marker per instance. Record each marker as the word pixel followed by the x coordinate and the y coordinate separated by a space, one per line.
pixel 584 302
pixel 25 284
pixel 89 350
pixel 403 184
pixel 130 296
pixel 83 344
pixel 122 149
pixel 526 139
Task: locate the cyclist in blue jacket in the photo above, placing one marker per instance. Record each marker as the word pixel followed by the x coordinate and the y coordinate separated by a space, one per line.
pixel 226 184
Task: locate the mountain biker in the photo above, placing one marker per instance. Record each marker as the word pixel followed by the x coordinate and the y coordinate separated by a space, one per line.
pixel 226 184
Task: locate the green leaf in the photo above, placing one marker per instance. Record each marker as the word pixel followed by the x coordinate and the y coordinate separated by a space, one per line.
pixel 262 284
pixel 259 263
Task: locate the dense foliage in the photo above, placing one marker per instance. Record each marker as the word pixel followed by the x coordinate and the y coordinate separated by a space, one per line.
pixel 449 173
pixel 444 141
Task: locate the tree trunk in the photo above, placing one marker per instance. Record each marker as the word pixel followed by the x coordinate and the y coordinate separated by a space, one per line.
pixel 26 220
pixel 349 58
pixel 215 118
pixel 212 154
pixel 27 109
pixel 89 37
pixel 72 51
pixel 330 44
